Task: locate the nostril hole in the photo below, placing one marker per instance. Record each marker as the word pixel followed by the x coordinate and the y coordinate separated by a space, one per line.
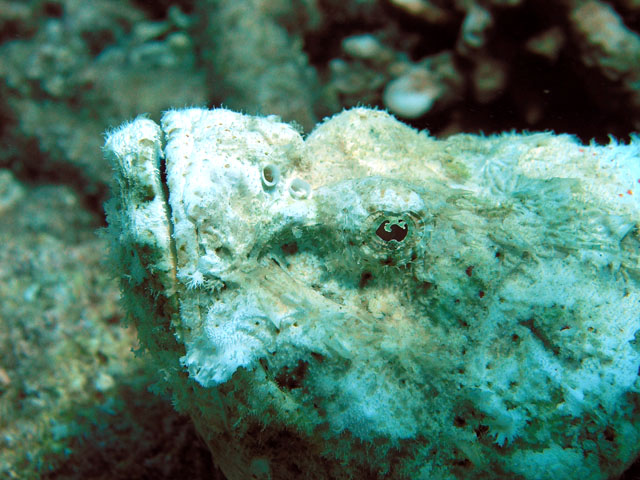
pixel 393 230
pixel 299 189
pixel 270 176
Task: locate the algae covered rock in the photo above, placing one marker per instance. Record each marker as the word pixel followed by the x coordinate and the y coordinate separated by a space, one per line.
pixel 370 302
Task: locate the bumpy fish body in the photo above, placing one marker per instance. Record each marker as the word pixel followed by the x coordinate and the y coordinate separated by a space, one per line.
pixel 370 302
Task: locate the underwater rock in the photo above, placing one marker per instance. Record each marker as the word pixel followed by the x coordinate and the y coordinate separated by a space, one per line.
pixel 431 85
pixel 86 66
pixel 371 302
pixel 606 43
pixel 253 50
pixel 59 335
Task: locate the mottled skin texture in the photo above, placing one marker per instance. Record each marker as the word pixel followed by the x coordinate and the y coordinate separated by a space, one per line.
pixel 427 309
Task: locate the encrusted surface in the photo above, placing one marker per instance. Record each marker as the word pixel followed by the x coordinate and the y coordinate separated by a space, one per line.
pixel 371 302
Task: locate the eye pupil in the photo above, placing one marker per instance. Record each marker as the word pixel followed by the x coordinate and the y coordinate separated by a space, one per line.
pixel 396 229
